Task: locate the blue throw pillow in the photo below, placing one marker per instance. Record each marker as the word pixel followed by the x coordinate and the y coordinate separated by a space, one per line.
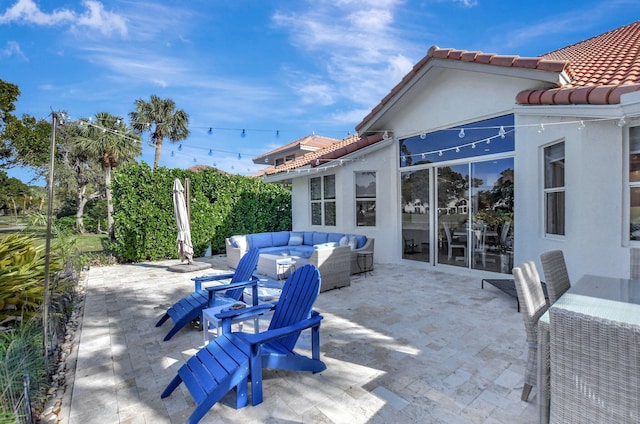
pixel 362 240
pixel 296 239
pixel 334 237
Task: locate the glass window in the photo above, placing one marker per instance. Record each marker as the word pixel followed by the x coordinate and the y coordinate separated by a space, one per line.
pixel 365 199
pixel 322 192
pixel 487 137
pixel 554 190
pixel 634 183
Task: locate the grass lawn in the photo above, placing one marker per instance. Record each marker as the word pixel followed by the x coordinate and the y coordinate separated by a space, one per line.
pixel 92 242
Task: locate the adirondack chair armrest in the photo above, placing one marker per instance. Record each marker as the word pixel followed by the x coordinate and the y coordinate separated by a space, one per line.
pixel 253 283
pixel 204 278
pixel 233 314
pixel 271 335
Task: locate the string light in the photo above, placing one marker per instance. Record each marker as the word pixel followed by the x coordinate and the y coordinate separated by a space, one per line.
pixel 239 156
pixel 210 131
pixel 423 135
pixel 244 134
pixel 210 152
pixel 541 129
pixel 461 133
pixel 581 125
pixel 621 122
pixel 180 148
pixel 502 132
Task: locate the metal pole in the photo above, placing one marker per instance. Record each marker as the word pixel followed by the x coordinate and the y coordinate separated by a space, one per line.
pixel 47 249
pixel 187 190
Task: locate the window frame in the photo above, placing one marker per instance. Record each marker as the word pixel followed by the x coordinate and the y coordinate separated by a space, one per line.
pixel 553 189
pixel 365 198
pixel 630 185
pixel 323 201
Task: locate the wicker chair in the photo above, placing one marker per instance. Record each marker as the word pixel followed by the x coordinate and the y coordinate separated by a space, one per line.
pixel 555 274
pixel 595 369
pixel 532 304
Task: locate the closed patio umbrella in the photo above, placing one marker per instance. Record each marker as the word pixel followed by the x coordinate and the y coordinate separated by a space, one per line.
pixel 185 247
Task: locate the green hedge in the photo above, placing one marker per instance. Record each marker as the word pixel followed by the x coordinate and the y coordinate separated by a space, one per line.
pixel 221 205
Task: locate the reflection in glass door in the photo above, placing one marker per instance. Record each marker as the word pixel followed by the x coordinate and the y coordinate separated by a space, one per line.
pixel 415 215
pixel 475 215
pixel 453 215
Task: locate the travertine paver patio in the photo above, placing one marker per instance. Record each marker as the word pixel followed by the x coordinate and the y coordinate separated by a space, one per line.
pixel 405 344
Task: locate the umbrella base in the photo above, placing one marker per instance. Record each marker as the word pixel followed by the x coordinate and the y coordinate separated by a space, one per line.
pixel 195 266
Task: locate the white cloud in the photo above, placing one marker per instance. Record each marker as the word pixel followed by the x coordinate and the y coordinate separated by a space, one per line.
pixel 94 17
pixel 12 49
pixel 98 18
pixel 357 43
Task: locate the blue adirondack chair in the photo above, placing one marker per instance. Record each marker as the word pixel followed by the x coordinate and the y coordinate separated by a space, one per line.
pixel 190 307
pixel 232 358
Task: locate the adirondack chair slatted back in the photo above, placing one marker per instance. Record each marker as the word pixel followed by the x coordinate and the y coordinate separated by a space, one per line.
pixel 246 266
pixel 298 295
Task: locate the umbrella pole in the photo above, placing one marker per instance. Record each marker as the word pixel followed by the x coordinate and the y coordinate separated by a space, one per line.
pixel 187 189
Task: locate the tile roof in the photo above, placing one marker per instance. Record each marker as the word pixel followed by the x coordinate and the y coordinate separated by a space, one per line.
pixel 436 52
pixel 340 148
pixel 598 71
pixel 308 142
pixel 602 68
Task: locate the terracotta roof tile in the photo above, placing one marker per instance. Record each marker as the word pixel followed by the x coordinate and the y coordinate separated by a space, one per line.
pixel 610 62
pixel 435 52
pixel 313 141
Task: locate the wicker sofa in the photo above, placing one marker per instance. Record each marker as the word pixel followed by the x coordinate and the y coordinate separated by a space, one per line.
pixel 335 254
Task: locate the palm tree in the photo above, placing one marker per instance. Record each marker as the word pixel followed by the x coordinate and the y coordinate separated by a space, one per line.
pixel 110 143
pixel 160 118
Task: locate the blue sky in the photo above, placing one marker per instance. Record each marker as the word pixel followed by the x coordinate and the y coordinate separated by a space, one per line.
pixel 266 66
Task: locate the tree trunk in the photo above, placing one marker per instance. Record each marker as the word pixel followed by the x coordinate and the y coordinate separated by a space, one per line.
pixel 81 201
pixel 107 181
pixel 156 160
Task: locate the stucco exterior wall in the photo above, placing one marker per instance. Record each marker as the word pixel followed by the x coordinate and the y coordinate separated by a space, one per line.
pixel 378 161
pixel 595 185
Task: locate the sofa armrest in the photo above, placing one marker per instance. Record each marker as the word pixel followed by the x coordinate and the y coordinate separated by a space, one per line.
pixel 334 265
pixel 233 254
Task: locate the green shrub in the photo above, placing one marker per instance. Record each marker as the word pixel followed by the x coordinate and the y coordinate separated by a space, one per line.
pixel 221 205
pixel 22 264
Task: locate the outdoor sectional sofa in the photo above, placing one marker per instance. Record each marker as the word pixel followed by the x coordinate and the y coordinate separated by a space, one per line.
pixel 335 254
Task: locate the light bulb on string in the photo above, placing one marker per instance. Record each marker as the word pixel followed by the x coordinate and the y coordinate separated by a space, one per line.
pixel 473 145
pixel 541 129
pixel 210 152
pixel 461 133
pixel 277 133
pixel 423 155
pixel 244 134
pixel 423 135
pixel 194 160
pixel 502 133
pixel 457 149
pixel 266 160
pixel 180 147
pixel 440 153
pixel 581 125
pixel 172 153
pixel 239 156
pixel 210 131
pixel 488 141
pixel 621 122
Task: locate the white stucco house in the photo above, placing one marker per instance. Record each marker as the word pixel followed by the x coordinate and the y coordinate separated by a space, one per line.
pixel 508 156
